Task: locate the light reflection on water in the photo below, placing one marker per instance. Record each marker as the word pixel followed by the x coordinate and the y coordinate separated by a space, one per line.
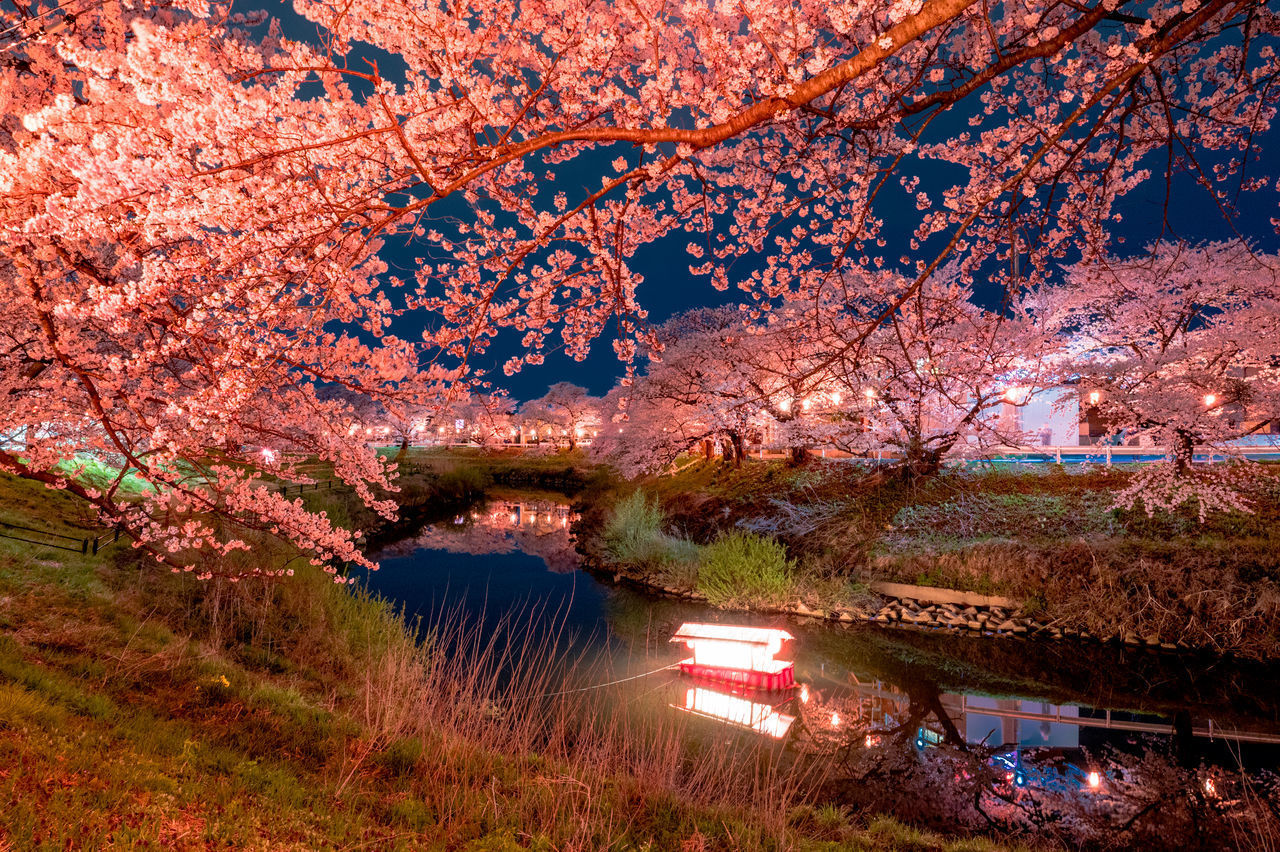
pixel 1048 711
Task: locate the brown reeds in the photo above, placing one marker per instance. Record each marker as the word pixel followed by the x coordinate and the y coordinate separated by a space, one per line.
pixel 597 762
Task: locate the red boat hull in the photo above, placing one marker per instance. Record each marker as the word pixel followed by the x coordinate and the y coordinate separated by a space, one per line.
pixel 783 678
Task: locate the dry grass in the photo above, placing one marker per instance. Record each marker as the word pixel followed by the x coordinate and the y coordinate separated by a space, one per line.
pixel 1047 537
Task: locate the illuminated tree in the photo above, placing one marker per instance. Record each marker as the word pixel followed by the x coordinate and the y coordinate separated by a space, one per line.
pixel 191 205
pixel 565 413
pixel 1177 348
pixel 935 380
pixel 489 417
pixel 717 379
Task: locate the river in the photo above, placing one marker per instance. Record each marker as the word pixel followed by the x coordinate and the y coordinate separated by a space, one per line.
pixel 1072 717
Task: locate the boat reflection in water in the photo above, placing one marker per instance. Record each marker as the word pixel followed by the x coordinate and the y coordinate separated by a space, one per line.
pixel 737 710
pixel 1019 747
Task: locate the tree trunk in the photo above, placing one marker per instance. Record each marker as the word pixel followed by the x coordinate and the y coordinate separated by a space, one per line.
pixel 739 448
pixel 798 455
pixel 1184 448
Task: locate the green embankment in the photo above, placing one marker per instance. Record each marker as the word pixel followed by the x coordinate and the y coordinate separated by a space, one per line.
pixel 1047 537
pixel 144 709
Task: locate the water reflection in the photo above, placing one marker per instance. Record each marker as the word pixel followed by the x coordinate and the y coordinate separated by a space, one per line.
pixel 736 710
pixel 951 730
pixel 538 526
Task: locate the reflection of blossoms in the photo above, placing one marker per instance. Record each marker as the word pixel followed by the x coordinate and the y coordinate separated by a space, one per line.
pixel 902 753
pixel 537 527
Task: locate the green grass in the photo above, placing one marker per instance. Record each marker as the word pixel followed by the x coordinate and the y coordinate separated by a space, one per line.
pixel 1046 536
pixel 634 536
pixel 139 707
pixel 742 567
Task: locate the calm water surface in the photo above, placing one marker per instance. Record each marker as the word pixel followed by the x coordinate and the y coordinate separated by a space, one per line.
pixel 513 558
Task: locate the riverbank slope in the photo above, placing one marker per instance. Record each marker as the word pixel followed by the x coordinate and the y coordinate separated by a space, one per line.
pixel 139 708
pixel 1047 540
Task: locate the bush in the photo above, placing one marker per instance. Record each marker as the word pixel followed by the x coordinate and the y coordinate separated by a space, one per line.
pixel 745 567
pixel 633 536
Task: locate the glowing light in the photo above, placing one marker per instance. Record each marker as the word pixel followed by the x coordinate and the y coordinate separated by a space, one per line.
pixel 1210 788
pixel 1095 780
pixel 785 405
pixel 1094 396
pixel 871 741
pixel 835 719
pixel 804 693
pixel 1016 395
pixel 835 398
pixel 733 654
pixel 737 711
pixel 727 646
pixel 1210 399
pixel 806 404
pixel 869 393
pixel 268 455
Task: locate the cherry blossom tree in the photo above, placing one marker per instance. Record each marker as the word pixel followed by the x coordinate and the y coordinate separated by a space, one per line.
pixel 645 433
pixel 192 204
pixel 1177 348
pixel 929 383
pixel 489 417
pixel 716 378
pixel 565 413
pixel 937 379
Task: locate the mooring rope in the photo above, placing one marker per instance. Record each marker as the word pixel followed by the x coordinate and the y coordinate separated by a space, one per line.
pixel 596 685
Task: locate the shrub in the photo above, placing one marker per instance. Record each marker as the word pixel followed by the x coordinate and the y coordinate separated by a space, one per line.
pixel 745 567
pixel 633 536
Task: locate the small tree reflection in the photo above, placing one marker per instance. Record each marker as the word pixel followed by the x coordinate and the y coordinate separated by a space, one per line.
pixel 902 753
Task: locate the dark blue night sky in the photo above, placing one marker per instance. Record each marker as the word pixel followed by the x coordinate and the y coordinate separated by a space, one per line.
pixel 669 288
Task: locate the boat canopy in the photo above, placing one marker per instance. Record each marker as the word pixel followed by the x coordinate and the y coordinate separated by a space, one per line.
pixel 766 636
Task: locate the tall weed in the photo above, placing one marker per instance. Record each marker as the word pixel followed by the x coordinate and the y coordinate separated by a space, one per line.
pixel 633 536
pixel 743 567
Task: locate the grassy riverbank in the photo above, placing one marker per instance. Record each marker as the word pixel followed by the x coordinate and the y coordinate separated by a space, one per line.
pixel 139 708
pixel 1048 538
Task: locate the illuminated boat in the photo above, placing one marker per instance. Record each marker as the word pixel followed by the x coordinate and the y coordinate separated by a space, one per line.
pixel 743 656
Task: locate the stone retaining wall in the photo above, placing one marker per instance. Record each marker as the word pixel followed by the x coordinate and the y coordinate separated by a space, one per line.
pixel 994 616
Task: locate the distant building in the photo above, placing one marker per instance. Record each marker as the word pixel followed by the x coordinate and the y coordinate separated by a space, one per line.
pixel 1049 419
